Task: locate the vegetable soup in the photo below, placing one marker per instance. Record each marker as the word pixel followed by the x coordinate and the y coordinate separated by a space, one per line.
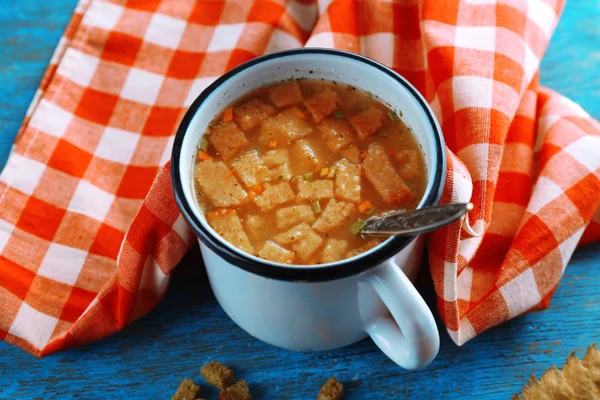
pixel 291 171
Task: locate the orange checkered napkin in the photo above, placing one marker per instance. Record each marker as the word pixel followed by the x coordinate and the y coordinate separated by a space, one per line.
pixel 89 230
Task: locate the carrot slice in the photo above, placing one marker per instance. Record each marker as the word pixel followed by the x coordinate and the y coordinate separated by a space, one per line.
pixel 365 206
pixel 203 156
pixel 299 113
pixel 228 114
pixel 273 144
pixel 258 189
pixel 324 172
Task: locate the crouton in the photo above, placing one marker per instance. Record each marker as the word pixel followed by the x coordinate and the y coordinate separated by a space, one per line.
pixel 347 181
pixel 187 390
pixel 250 169
pixel 227 140
pixel 252 113
pixel 237 391
pixel 220 187
pixel 381 173
pixel 292 235
pixel 293 215
pixel 336 133
pixel 260 228
pixel 274 195
pixel 322 104
pixel 227 224
pixel 331 390
pixel 367 122
pixel 281 173
pixel 286 94
pixel 273 252
pixel 351 153
pixel 410 167
pixel 334 250
pixel 316 190
pixel 367 246
pixel 305 158
pixel 287 126
pixel 276 157
pixel 334 216
pixel 217 374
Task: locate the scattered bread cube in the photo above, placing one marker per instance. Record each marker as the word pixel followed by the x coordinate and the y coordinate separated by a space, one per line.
pixel 334 250
pixel 336 133
pixel 334 216
pixel 273 252
pixel 276 157
pixel 410 168
pixel 347 181
pixel 220 187
pixel 237 391
pixel 187 390
pixel 351 153
pixel 228 140
pixel 293 215
pixel 274 195
pixel 367 122
pixel 286 94
pixel 217 374
pixel 251 170
pixel 281 173
pixel 381 173
pixel 315 190
pixel 367 246
pixel 227 224
pixel 252 113
pixel 323 104
pixel 331 390
pixel 287 126
pixel 305 158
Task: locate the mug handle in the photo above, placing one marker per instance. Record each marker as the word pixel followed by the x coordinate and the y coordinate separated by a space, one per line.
pixel 410 338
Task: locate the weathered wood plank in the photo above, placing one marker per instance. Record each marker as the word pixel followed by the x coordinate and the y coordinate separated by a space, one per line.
pixel 148 359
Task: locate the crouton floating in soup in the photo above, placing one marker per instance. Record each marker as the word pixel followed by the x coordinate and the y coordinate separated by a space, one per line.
pixel 290 171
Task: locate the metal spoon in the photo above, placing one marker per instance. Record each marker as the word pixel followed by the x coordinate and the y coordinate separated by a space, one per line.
pixel 423 220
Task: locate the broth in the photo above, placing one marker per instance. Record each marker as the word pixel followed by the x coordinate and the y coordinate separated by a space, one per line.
pixel 290 171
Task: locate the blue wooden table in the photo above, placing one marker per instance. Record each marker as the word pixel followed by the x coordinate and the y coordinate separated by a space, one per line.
pixel 148 359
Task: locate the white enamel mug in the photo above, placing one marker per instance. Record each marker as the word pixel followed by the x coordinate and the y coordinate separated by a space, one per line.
pixel 319 307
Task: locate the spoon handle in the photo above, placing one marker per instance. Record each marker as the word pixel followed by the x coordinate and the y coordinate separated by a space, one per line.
pixel 415 222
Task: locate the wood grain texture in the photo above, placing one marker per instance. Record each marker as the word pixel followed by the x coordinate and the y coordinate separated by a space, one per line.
pixel 151 357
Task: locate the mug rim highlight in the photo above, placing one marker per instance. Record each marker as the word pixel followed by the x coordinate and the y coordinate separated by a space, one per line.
pixel 317 273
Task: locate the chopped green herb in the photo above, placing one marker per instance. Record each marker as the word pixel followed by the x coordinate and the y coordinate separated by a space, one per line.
pixel 338 114
pixel 393 116
pixel 310 72
pixel 334 82
pixel 357 226
pixel 316 206
pixel 371 211
pixel 309 175
pixel 331 173
pixel 370 96
pixel 280 177
pixel 203 144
